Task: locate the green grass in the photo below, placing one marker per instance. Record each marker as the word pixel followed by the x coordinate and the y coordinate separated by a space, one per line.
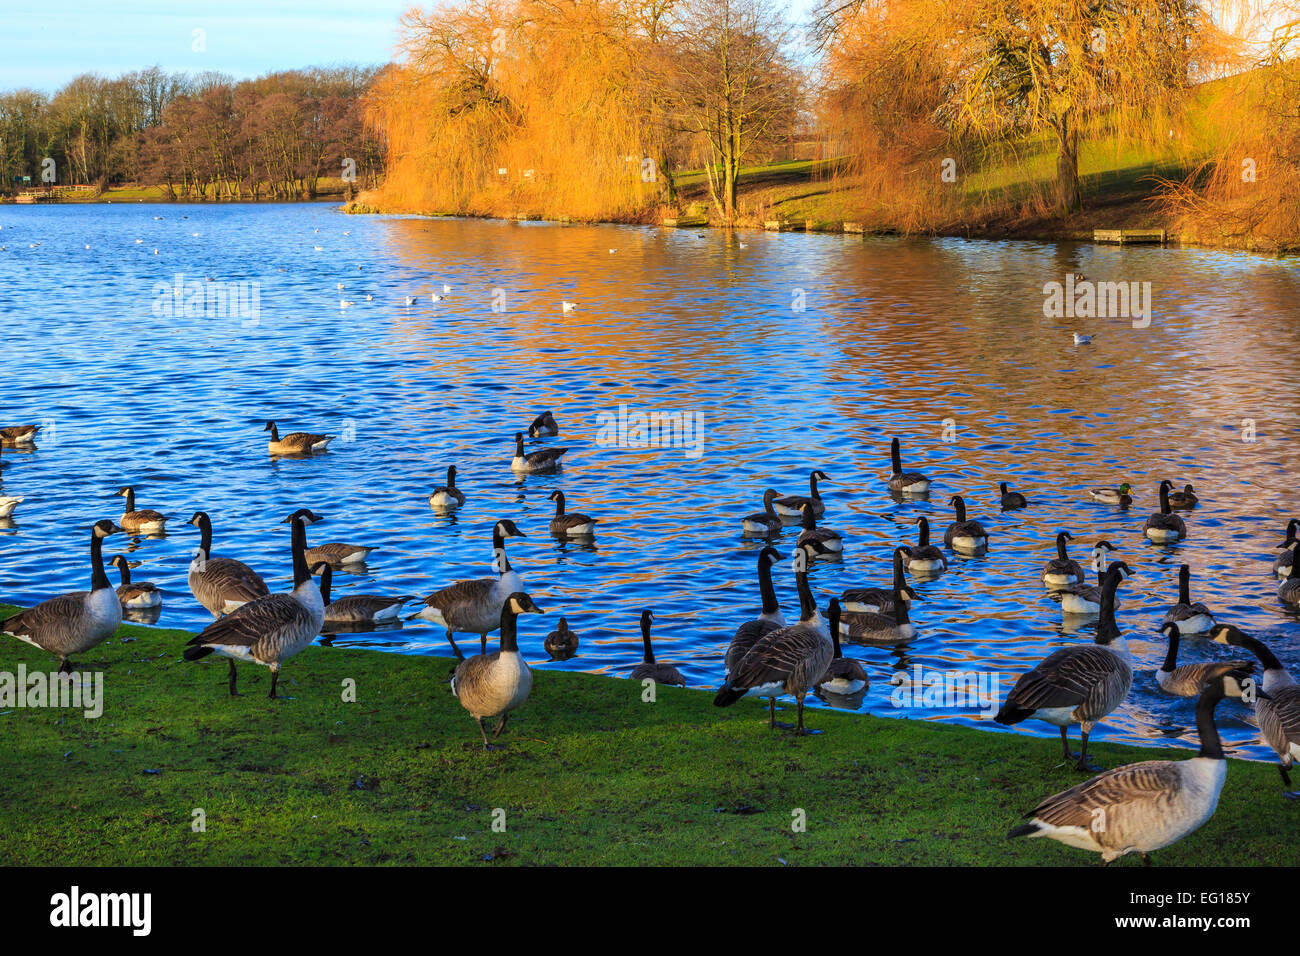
pixel 591 775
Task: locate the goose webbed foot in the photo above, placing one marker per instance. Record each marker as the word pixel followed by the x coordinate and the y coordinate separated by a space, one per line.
pixel 232 679
pixel 1287 792
pixel 483 733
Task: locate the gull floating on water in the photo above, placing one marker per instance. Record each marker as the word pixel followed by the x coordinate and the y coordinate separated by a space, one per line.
pixel 1080 339
pixel 411 300
pixel 568 306
pixel 344 303
pixel 369 297
pixel 445 287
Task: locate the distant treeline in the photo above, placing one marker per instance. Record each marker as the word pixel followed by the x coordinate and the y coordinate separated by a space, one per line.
pixel 204 135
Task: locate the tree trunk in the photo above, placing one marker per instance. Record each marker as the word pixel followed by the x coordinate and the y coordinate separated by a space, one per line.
pixel 1067 168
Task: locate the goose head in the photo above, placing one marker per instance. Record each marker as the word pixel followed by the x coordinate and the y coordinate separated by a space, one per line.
pixel 647 618
pixel 198 518
pixel 269 427
pixel 124 491
pixel 1231 634
pixel 1120 568
pixel 959 505
pixel 769 556
pixel 103 528
pixel 120 562
pixel 305 515
pixel 521 603
pixel 507 529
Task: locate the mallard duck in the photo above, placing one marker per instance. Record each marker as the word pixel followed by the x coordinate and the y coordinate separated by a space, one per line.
pixel 1183 499
pixel 1113 496
pixel 561 643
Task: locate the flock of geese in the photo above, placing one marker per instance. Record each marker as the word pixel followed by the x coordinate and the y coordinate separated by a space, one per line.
pixel 1146 806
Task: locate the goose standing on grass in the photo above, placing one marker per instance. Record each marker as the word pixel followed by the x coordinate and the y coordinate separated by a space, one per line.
pixel 73 623
pixel 1282 564
pixel 1278 714
pixel 1113 496
pixel 474 606
pixel 1190 618
pixel 492 685
pixel 295 443
pixel 570 525
pixel 925 558
pixel 546 460
pixel 791 506
pixel 543 424
pixel 788 660
pixel 448 496
pixel 963 535
pixel 1165 526
pixel 1288 592
pixel 15 436
pixel 1086 598
pixel 828 539
pixel 1011 500
pixel 880 600
pixel 904 482
pixel 141 594
pixel 357 608
pixel 1076 685
pixel 892 626
pixel 561 643
pixel 1062 569
pixel 649 668
pixel 335 552
pixel 767 521
pixel 843 675
pixel 1190 680
pixel 770 618
pixel 8 503
pixel 1183 499
pixel 142 521
pixel 1143 806
pixel 269 630
pixel 221 584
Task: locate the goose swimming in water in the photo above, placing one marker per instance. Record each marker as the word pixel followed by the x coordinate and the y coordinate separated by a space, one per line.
pixel 1183 499
pixel 1190 618
pixel 545 460
pixel 1278 714
pixel 1011 500
pixel 904 482
pixel 1165 526
pixel 570 525
pixel 447 496
pixel 963 535
pixel 1113 496
pixel 880 600
pixel 73 623
pixel 1288 592
pixel 561 643
pixel 16 436
pixel 1086 598
pixel 357 608
pixel 792 505
pixel 892 626
pixel 925 558
pixel 335 552
pixel 1144 806
pixel 142 521
pixel 828 539
pixel 767 521
pixel 141 594
pixel 492 685
pixel 295 443
pixel 649 668
pixel 1062 569
pixel 1282 564
pixel 1076 685
pixel 8 503
pixel 543 424
pixel 1190 680
pixel 221 584
pixel 843 675
pixel 269 630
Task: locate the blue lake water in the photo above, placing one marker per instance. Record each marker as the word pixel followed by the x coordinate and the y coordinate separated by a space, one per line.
pixel 799 351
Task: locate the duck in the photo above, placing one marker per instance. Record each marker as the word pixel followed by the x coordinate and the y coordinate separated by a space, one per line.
pixel 221 585
pixel 545 460
pixel 792 505
pixel 493 685
pixel 141 594
pixel 904 482
pixel 1011 500
pixel 474 606
pixel 139 522
pixel 1183 499
pixel 16 436
pixel 1076 685
pixel 963 535
pixel 1190 680
pixel 1190 618
pixel 1282 564
pixel 75 622
pixel 447 497
pixel 561 643
pixel 1288 592
pixel 844 675
pixel 880 600
pixel 1278 713
pixel 649 668
pixel 1144 806
pixel 1113 496
pixel 1086 598
pixel 767 521
pixel 1164 526
pixel 295 443
pixel 268 630
pixel 543 424
pixel 10 503
pixel 335 552
pixel 570 525
pixel 1062 569
pixel 893 626
pixel 925 557
pixel 828 539
pixel 357 608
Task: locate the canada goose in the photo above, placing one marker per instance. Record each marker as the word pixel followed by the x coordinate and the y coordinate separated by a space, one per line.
pixel 1011 500
pixel 770 617
pixel 1288 591
pixel 843 675
pixel 271 629
pixel 335 552
pixel 1190 618
pixel 357 608
pixel 787 660
pixel 16 435
pixel 925 557
pixel 295 443
pixel 893 626
pixel 142 521
pixel 1183 499
pixel 880 600
pixel 1076 684
pixel 548 459
pixel 906 482
pixel 139 595
pixel 1278 714
pixel 221 584
pixel 570 525
pixel 492 685
pixel 766 521
pixel 1113 496
pixel 792 505
pixel 474 606
pixel 447 496
pixel 828 539
pixel 561 643
pixel 543 424
pixel 8 503
pixel 963 535
pixel 1283 562
pixel 1086 598
pixel 1140 807
pixel 75 622
pixel 1062 569
pixel 1190 680
pixel 1165 525
pixel 649 669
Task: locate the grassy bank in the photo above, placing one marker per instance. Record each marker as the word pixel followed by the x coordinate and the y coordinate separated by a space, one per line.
pixel 591 775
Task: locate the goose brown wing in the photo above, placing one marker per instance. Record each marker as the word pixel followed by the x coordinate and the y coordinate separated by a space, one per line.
pixel 1065 678
pixel 48 616
pixel 1279 718
pixel 225 579
pixel 461 592
pixel 1149 782
pixel 776 655
pixel 567 521
pixel 547 456
pixel 262 625
pixel 746 636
